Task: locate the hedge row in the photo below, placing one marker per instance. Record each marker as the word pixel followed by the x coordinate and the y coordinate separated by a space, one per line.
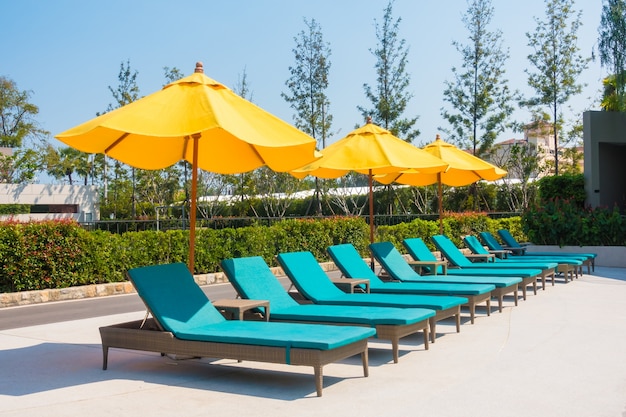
pixel 455 226
pixel 59 254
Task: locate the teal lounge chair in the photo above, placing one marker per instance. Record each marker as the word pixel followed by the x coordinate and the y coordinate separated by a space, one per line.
pixel 567 267
pixel 351 265
pixel 398 269
pixel 254 280
pixel 518 249
pixel 420 252
pixel 456 258
pixel 188 324
pixel 312 283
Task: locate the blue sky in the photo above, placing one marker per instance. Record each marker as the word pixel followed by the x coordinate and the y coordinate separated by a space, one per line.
pixel 67 52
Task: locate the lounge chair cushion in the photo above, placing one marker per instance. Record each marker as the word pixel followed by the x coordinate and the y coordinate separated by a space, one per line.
pixel 254 280
pixel 313 283
pixel 182 308
pixel 476 246
pixel 352 265
pixel 455 256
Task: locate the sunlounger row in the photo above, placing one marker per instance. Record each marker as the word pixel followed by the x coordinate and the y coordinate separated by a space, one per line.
pixel 185 322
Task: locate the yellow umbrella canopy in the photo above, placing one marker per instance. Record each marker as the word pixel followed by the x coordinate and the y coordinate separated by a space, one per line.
pixel 370 150
pixel 198 120
pixel 464 169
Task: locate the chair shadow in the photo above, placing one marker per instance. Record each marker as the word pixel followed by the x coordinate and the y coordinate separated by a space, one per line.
pixel 51 366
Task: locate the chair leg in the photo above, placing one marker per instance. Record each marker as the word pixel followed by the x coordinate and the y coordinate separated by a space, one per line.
pixel 319 383
pixel 394 349
pixel 433 329
pixel 488 306
pixel 105 357
pixel 365 361
pixel 426 338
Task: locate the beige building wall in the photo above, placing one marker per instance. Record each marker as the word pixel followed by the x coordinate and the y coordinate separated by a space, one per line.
pixel 85 197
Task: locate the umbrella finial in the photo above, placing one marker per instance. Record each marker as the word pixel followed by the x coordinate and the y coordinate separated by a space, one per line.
pixel 199 67
pixel 369 119
pixel 437 137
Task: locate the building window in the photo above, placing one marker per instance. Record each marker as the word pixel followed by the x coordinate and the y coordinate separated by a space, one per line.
pixel 54 208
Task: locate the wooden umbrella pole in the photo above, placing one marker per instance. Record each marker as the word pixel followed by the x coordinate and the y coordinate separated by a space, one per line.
pixel 369 180
pixel 192 205
pixel 440 203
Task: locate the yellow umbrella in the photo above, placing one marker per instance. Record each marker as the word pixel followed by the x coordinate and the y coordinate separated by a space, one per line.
pixel 198 120
pixel 464 169
pixel 370 150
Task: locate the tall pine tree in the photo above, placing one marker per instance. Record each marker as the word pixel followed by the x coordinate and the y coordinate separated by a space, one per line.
pixel 557 62
pixel 390 96
pixel 479 94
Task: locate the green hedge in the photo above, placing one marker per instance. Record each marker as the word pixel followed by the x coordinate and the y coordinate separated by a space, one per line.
pixel 14 209
pixel 563 222
pixel 455 226
pixel 58 254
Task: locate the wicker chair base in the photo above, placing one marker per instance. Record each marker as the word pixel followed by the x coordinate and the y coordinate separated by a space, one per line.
pixel 132 335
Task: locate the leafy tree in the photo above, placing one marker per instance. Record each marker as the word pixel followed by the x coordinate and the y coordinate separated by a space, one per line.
pixel 17 115
pixel 557 61
pixel 612 50
pixel 390 97
pixel 125 93
pixel 20 167
pixel 523 163
pixel 65 162
pixel 172 74
pixel 611 100
pixel 479 95
pixel 17 125
pixel 308 83
pixel 307 87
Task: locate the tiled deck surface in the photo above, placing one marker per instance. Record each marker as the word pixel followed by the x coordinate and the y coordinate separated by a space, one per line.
pixel 560 353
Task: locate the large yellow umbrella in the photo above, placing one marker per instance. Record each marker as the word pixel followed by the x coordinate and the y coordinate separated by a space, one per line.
pixel 464 169
pixel 370 150
pixel 198 120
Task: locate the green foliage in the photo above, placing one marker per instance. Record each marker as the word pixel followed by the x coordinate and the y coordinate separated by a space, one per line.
pixel 391 95
pixel 455 226
pixel 308 83
pixel 571 187
pixel 557 61
pixel 48 254
pixel 58 254
pixel 14 208
pixel 416 228
pixel 611 46
pixel 479 95
pixel 563 222
pixel 17 114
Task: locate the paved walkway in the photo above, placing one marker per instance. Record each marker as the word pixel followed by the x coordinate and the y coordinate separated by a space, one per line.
pixel 560 353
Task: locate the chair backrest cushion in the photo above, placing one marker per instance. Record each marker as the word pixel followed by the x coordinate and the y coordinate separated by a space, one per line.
pixel 450 251
pixel 173 297
pixel 254 280
pixel 308 276
pixel 392 261
pixel 491 241
pixel 508 238
pixel 474 245
pixel 350 263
